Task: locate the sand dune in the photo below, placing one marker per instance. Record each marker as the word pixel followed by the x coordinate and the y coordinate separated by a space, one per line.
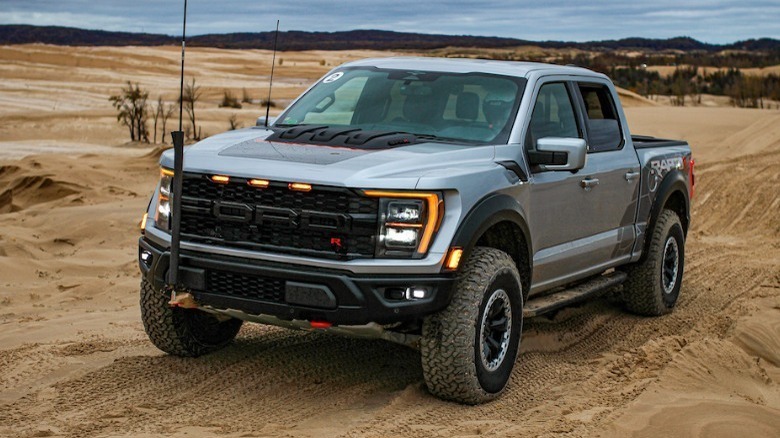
pixel 75 362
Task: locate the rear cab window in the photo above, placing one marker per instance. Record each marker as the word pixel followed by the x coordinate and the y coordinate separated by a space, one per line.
pixel 601 118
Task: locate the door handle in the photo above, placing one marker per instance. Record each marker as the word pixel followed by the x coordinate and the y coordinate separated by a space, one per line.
pixel 631 176
pixel 588 183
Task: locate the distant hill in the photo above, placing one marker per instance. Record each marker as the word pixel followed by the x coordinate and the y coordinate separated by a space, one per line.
pixel 346 40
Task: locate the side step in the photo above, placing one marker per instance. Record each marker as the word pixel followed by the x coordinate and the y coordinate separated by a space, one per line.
pixel 539 305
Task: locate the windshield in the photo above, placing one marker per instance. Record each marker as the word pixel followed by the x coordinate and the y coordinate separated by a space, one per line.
pixel 473 108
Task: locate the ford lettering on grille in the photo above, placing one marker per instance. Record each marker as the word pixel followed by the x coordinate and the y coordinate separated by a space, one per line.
pixel 238 212
pixel 278 219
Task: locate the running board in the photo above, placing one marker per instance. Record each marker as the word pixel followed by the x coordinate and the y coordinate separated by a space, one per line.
pixel 548 303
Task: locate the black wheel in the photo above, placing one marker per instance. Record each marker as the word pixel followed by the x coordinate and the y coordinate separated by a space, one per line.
pixel 653 285
pixel 183 332
pixel 469 349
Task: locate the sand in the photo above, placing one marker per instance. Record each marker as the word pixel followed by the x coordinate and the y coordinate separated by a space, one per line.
pixel 75 362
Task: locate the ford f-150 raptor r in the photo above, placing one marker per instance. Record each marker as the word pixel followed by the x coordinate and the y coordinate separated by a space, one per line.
pixel 431 202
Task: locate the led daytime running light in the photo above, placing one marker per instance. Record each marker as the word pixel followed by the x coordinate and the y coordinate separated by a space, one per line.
pixel 432 201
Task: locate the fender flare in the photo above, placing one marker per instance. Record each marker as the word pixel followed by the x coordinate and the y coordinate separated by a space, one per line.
pixel 488 212
pixel 674 181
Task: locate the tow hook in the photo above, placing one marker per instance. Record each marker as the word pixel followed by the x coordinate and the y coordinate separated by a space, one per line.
pixel 185 300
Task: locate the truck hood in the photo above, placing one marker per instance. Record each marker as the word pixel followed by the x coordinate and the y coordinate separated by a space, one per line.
pixel 247 153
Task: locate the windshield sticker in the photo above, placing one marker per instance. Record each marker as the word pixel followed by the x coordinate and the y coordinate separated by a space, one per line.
pixel 333 78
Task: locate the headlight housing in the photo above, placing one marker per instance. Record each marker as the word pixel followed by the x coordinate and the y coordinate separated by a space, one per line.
pixel 407 223
pixel 162 214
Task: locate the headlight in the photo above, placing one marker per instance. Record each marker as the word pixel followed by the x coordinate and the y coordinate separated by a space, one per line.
pixel 162 214
pixel 407 222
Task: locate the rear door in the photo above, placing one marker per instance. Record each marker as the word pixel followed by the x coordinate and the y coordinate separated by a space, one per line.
pixel 613 162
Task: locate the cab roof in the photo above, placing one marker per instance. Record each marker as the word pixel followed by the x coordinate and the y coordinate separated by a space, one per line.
pixel 466 65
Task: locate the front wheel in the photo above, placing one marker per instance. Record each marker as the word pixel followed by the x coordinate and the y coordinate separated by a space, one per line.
pixel 183 332
pixel 469 349
pixel 653 285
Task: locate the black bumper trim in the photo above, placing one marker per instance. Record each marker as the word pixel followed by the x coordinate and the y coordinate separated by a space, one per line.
pixel 359 299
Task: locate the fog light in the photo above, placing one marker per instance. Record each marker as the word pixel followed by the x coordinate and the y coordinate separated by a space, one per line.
pixel 146 257
pixel 416 293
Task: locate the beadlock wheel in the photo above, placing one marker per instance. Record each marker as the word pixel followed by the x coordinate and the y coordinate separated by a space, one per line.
pixel 495 330
pixel 670 265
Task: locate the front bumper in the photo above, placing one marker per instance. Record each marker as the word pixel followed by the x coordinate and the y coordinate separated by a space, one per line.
pixel 298 292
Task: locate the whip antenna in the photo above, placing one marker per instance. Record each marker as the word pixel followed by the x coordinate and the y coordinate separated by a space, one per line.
pixel 181 76
pixel 271 82
pixel 178 164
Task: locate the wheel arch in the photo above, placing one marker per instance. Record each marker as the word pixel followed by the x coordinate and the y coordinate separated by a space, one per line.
pixel 672 194
pixel 498 221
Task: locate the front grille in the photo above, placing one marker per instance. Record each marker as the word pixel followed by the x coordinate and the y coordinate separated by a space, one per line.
pixel 245 286
pixel 327 222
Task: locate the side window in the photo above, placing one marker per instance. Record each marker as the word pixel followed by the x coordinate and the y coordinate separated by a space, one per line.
pixel 553 115
pixel 601 118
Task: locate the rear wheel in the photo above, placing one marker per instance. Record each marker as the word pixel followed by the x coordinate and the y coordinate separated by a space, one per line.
pixel 183 332
pixel 469 349
pixel 653 285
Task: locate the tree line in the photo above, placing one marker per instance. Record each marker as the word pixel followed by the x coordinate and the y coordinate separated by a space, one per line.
pixel 686 84
pixel 696 72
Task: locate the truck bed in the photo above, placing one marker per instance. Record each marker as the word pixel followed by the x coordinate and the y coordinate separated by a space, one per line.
pixel 644 141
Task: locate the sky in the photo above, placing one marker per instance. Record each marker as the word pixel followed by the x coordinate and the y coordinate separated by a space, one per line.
pixel 713 21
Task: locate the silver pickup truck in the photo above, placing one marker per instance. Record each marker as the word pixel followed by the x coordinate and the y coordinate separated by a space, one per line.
pixel 430 202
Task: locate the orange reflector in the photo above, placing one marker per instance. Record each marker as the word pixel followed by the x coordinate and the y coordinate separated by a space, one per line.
pixel 299 187
pixel 166 172
pixel 261 183
pixel 143 221
pixel 320 324
pixel 220 179
pixel 453 259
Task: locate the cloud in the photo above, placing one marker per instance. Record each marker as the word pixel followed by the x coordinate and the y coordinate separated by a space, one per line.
pixel 717 21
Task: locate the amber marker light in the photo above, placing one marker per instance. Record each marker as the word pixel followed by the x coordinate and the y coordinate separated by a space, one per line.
pixel 166 172
pixel 299 187
pixel 453 259
pixel 259 183
pixel 143 221
pixel 432 219
pixel 220 179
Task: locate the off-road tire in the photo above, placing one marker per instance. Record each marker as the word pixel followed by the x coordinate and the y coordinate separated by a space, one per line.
pixel 183 332
pixel 644 292
pixel 451 344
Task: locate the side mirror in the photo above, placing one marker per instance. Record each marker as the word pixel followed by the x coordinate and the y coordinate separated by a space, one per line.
pixel 559 153
pixel 261 121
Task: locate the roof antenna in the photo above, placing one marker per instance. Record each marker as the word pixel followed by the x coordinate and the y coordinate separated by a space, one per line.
pixel 271 82
pixel 178 164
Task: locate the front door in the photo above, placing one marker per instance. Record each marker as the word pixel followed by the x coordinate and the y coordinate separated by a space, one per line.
pixel 579 221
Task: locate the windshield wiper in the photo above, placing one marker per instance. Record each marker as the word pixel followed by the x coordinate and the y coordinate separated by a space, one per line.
pixel 444 139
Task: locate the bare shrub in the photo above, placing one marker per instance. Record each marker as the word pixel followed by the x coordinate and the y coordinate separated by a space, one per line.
pixel 245 97
pixel 162 112
pixel 190 98
pixel 229 100
pixel 233 120
pixel 265 102
pixel 132 111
